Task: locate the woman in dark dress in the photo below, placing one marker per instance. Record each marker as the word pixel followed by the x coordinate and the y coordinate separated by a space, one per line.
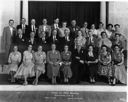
pixel 66 63
pixel 91 60
pixel 53 60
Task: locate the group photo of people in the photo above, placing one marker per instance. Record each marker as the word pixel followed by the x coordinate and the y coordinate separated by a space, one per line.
pixel 62 54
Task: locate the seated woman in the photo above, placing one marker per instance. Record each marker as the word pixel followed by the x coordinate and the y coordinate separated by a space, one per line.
pixel 53 60
pixel 109 30
pixel 80 40
pixel 104 40
pixel 14 60
pixel 66 63
pixel 26 69
pixel 118 42
pixel 91 59
pixel 94 31
pixel 105 66
pixel 120 73
pixel 40 60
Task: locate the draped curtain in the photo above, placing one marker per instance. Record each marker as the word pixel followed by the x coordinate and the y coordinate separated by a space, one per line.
pixel 65 11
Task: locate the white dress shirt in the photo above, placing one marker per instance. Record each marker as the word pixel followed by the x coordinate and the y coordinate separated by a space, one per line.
pixel 11 29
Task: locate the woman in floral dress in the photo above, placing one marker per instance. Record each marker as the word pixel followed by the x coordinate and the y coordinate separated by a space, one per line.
pixel 105 66
pixel 14 60
pixel 26 69
pixel 40 60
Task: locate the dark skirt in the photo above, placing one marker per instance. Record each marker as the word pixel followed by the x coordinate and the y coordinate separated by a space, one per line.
pixel 92 69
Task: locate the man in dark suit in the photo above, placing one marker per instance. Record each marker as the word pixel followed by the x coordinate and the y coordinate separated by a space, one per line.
pixel 66 40
pixel 33 28
pixel 78 64
pixel 54 39
pixel 73 29
pixel 20 41
pixel 32 41
pixel 43 41
pixel 56 24
pixel 24 28
pixel 9 34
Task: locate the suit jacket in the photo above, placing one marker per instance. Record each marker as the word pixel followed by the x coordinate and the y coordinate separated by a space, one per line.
pixel 34 44
pixel 51 40
pixel 79 54
pixel 53 26
pixel 8 38
pixel 47 30
pixel 73 31
pixel 65 41
pixel 20 41
pixel 41 41
pixel 26 33
pixel 35 30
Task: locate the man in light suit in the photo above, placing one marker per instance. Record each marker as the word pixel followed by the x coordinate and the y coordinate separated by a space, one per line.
pixel 46 28
pixel 9 34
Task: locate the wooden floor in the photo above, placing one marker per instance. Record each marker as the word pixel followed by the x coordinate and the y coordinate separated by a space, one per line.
pixel 62 96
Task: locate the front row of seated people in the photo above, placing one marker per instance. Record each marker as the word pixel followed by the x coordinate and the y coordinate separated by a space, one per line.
pixel 72 64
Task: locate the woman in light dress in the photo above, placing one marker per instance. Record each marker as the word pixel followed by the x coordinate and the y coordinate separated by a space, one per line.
pixel 40 60
pixel 14 60
pixel 80 40
pixel 120 73
pixel 26 69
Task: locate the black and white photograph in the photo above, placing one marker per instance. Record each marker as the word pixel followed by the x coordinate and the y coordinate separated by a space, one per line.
pixel 63 50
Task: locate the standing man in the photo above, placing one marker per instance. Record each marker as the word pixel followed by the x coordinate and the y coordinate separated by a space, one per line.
pixel 33 28
pixel 24 28
pixel 73 29
pixel 46 28
pixel 55 25
pixel 9 34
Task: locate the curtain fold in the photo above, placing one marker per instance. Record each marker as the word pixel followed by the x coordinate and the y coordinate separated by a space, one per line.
pixel 65 11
